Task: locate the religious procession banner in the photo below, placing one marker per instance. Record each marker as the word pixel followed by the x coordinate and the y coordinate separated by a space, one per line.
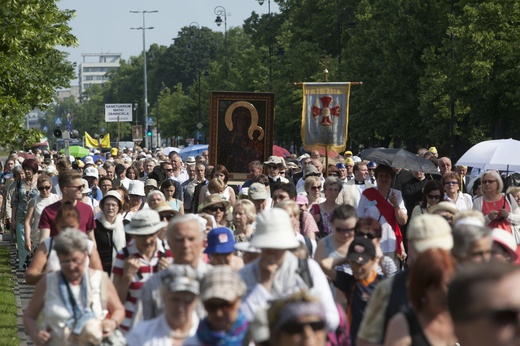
pixel 92 142
pixel 325 114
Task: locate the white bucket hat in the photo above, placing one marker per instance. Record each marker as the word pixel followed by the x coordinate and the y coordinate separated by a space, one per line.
pixel 86 188
pixel 145 222
pixel 274 230
pixel 136 187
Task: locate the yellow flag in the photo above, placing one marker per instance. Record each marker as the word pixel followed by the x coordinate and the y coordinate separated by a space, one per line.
pixel 90 141
pixel 105 142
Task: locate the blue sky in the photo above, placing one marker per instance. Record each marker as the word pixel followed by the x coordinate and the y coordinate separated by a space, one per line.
pixel 103 26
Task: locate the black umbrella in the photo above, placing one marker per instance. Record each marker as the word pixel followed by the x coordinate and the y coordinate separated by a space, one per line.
pixel 399 158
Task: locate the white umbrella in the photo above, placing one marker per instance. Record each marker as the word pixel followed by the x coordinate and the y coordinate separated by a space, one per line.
pixel 498 154
pixel 168 150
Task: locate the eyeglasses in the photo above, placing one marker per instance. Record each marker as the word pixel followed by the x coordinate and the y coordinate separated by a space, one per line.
pixel 216 208
pixel 299 327
pixel 366 235
pixel 316 187
pixel 434 197
pixel 79 187
pixel 345 230
pixel 488 181
pixel 106 186
pixel 212 307
pixel 451 183
pixel 41 188
pixel 76 262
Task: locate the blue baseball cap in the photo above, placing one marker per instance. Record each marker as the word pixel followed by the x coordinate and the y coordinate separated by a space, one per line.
pixel 340 165
pixel 372 164
pixel 220 241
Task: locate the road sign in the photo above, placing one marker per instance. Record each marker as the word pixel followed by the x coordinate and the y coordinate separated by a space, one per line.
pixel 199 125
pixel 57 122
pixel 149 121
pixel 118 112
pixel 45 129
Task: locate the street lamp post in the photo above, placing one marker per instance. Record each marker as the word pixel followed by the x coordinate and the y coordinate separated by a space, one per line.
pixel 261 2
pixel 197 62
pixel 144 28
pixel 221 12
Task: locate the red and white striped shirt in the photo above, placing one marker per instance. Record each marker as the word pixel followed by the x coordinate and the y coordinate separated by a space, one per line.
pixel 146 270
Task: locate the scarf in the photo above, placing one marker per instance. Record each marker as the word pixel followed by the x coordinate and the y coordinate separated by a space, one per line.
pixel 79 317
pixel 118 232
pixel 232 337
pixel 387 210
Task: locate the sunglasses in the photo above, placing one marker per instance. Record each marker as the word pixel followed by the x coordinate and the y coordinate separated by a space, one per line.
pixel 488 181
pixel 371 169
pixel 213 307
pixel 41 188
pixel 333 175
pixel 79 187
pixel 370 236
pixel 215 208
pixel 169 170
pixel 168 216
pixel 299 327
pixel 345 230
pixel 434 197
pixel 273 166
pixel 451 183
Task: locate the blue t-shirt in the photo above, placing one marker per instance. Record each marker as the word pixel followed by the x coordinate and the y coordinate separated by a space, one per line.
pixel 358 293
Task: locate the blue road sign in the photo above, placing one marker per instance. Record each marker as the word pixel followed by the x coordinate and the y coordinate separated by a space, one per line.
pixel 57 122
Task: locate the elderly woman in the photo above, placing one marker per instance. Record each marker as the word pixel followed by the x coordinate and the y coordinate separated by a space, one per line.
pixel 471 243
pixel 427 320
pixel 297 320
pixel 499 211
pixel 105 184
pixel 179 320
pixel 216 205
pixel 433 193
pixel 514 191
pixel 45 258
pixel 61 297
pixel 385 205
pixel 110 230
pixel 244 214
pixel 452 193
pixel 154 198
pixel 312 186
pixel 24 192
pixel 323 212
pixel 35 208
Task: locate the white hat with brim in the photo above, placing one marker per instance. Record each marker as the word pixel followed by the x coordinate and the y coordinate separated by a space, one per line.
pixel 86 188
pixel 245 246
pixel 114 194
pixel 145 222
pixel 274 230
pixel 136 187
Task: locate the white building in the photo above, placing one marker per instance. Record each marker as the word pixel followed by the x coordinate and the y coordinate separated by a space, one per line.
pixel 63 94
pixel 94 68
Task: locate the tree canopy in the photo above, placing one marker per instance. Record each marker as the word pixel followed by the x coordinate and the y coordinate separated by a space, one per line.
pixel 416 58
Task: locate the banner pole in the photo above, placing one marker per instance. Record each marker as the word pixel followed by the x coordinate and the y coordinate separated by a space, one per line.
pixel 118 130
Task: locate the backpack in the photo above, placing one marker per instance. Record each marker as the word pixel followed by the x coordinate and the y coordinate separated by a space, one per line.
pixel 341 336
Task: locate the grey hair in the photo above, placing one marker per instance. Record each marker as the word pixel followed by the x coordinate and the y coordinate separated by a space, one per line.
pixel 464 235
pixel 155 192
pixel 332 181
pixel 184 219
pixel 70 240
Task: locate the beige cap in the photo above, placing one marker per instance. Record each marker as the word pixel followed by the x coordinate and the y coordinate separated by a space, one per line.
pixel 430 231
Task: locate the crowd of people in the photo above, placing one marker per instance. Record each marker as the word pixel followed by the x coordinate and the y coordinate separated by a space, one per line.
pixel 143 248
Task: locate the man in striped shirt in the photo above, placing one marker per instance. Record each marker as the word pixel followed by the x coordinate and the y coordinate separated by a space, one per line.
pixel 144 255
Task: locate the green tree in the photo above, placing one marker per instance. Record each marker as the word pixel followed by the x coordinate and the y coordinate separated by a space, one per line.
pixel 32 68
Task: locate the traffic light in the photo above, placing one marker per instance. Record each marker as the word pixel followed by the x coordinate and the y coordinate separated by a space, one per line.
pixel 149 131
